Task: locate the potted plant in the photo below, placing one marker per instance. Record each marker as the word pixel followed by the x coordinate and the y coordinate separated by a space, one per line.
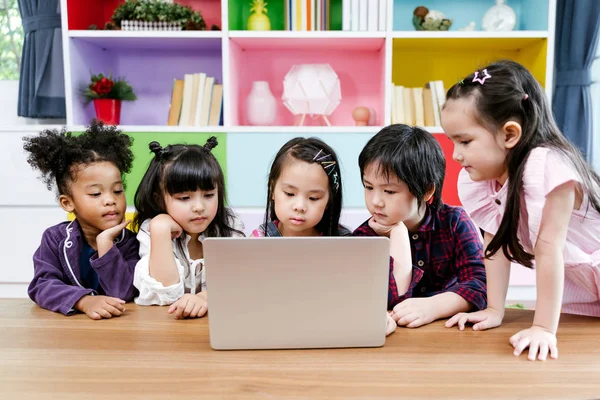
pixel 156 15
pixel 107 94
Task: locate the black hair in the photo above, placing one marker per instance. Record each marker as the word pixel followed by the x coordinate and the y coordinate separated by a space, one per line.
pixel 411 154
pixel 59 154
pixel 180 168
pixel 310 150
pixel 511 93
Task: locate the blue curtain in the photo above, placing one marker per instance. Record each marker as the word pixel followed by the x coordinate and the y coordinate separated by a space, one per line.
pixel 577 23
pixel 42 81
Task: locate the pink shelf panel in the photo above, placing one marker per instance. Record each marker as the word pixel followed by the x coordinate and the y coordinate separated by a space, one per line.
pixel 359 64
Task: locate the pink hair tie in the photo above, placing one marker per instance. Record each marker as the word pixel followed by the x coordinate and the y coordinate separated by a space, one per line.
pixel 526 96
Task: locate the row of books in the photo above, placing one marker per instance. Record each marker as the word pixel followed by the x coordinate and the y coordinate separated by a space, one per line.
pixel 196 100
pixel 418 106
pixel 364 15
pixel 307 15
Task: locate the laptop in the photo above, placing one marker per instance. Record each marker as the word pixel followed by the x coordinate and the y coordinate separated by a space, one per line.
pixel 297 293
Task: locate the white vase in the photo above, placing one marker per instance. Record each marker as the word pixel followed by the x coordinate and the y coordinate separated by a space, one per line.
pixel 499 18
pixel 260 104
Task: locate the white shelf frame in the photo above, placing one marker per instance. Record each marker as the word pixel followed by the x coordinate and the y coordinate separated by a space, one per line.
pixel 226 35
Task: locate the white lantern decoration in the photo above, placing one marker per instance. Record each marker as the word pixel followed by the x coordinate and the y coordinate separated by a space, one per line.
pixel 312 89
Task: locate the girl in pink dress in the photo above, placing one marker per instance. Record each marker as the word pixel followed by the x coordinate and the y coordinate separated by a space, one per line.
pixel 533 195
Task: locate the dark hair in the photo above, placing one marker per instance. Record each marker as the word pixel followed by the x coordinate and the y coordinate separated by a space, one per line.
pixel 512 93
pixel 311 150
pixel 411 154
pixel 180 168
pixel 57 154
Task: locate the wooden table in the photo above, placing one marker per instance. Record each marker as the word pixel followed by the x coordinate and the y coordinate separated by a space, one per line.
pixel 146 354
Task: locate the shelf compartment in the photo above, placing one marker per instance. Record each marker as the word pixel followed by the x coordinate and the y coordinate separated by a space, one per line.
pixel 150 66
pixel 83 13
pixel 239 11
pixel 359 64
pixel 531 14
pixel 451 59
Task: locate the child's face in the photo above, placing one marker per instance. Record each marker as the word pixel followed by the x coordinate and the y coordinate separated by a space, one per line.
pixel 480 152
pixel 193 211
pixel 301 195
pixel 96 196
pixel 388 200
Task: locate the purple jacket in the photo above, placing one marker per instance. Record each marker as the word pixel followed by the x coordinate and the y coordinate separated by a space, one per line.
pixel 56 283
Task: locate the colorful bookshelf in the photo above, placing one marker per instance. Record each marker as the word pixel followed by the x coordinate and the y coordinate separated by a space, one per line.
pixel 366 62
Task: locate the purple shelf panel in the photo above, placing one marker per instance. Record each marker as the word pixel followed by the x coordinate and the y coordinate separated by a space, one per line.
pixel 149 65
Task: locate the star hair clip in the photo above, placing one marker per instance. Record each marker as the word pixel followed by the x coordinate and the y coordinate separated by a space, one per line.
pixel 482 79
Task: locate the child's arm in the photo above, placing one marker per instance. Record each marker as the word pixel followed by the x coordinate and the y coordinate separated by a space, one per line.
pixel 402 258
pixel 548 252
pixel 50 288
pixel 151 291
pixel 190 306
pixel 395 296
pixel 162 266
pixel 116 267
pixel 498 274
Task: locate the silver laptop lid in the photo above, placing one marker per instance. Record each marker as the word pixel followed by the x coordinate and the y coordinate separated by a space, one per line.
pixel 309 292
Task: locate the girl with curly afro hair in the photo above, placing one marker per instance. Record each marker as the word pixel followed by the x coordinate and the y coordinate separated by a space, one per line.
pixel 85 265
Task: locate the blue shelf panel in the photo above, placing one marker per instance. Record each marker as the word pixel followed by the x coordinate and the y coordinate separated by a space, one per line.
pixel 532 15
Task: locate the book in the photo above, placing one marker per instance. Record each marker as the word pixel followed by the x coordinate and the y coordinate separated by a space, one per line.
pixel 346 15
pixel 428 108
pixel 418 105
pixel 176 100
pixel 216 104
pixel 193 106
pixel 434 103
pixel 206 101
pixel 393 112
pixel 382 14
pixel 399 98
pixel 354 15
pixel 199 91
pixel 440 94
pixel 409 109
pixel 186 104
pixel 287 21
pixel 298 14
pixel 362 15
pixel 373 15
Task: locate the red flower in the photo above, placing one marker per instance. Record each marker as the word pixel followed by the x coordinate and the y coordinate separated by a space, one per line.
pixel 102 86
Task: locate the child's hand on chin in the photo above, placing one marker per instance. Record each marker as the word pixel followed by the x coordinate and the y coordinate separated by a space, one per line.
pixel 190 306
pixel 98 307
pixel 111 234
pixel 164 222
pixel 385 230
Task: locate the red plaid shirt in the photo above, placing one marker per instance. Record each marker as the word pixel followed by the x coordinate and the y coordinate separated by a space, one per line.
pixel 447 254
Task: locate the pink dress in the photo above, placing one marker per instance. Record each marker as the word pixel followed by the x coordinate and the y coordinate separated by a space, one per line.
pixel 545 170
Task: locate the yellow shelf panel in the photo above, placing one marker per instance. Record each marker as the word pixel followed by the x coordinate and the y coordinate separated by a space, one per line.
pixel 417 61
